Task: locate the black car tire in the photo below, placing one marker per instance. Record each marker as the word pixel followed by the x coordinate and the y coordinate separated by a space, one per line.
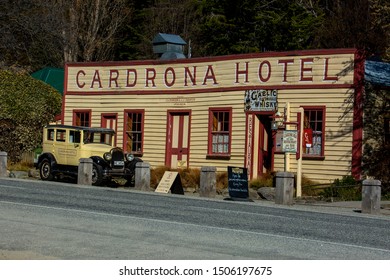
pixel 45 170
pixel 97 175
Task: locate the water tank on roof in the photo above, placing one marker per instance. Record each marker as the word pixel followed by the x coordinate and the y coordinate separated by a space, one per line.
pixel 168 46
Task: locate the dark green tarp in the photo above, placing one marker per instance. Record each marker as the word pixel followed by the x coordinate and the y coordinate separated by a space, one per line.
pixel 51 76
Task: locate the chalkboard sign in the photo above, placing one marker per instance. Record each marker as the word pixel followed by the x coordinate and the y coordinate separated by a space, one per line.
pixel 238 182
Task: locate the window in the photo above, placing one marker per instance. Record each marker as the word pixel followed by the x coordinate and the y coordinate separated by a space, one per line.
pixel 134 126
pixel 313 131
pixel 50 134
pixel 61 135
pixel 219 131
pixel 82 118
pixel 74 136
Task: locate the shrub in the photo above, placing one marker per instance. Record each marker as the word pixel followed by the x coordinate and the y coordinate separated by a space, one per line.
pixel 265 180
pixel 26 105
pixel 346 188
pixel 190 177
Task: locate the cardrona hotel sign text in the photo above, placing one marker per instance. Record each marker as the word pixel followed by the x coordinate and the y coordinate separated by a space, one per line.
pixel 213 75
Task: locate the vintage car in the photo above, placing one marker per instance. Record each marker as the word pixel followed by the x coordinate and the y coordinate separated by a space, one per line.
pixel 64 145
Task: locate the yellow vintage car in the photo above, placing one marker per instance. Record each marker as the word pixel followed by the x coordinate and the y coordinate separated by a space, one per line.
pixel 64 145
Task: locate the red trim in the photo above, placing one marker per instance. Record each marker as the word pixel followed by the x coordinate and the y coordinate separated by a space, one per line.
pixel 103 119
pixel 210 141
pixel 217 58
pixel 323 140
pixel 83 111
pixel 209 90
pixel 357 141
pixel 168 142
pixel 64 94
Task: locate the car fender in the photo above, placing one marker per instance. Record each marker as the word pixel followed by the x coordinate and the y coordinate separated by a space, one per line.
pixel 49 156
pixel 100 161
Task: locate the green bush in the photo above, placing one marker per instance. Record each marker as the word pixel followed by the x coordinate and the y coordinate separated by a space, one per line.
pixel 346 188
pixel 26 105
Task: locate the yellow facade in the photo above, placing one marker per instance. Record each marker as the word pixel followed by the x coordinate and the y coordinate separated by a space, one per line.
pixel 193 86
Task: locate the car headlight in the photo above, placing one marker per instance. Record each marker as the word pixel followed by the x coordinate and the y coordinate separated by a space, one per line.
pixel 129 157
pixel 107 156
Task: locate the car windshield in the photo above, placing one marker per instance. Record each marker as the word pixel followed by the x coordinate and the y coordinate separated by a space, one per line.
pixel 93 137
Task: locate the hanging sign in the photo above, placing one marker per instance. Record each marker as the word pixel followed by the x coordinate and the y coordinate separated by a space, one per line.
pixel 261 100
pixel 290 141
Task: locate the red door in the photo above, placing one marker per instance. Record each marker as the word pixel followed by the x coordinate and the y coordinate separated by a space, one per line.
pixel 110 121
pixel 178 133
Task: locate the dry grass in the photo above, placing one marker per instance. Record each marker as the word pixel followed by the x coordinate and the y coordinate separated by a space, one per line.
pixel 20 166
pixel 190 177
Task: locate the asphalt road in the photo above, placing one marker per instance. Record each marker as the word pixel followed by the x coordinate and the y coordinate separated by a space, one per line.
pixel 50 220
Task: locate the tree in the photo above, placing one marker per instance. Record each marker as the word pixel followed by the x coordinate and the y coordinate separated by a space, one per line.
pixel 253 26
pixel 91 28
pixel 161 16
pixel 26 105
pixel 30 37
pixel 376 159
pixel 361 24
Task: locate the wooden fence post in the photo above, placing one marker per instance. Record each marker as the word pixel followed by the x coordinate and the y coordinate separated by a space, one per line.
pixel 284 188
pixel 3 164
pixel 208 181
pixel 371 196
pixel 84 176
pixel 142 176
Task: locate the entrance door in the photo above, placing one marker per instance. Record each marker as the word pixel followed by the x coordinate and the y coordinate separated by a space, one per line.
pixel 178 133
pixel 110 121
pixel 260 144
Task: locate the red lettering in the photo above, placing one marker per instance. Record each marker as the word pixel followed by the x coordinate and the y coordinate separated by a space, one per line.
pixel 172 72
pixel 187 74
pixel 114 78
pixel 134 72
pixel 209 75
pixel 305 69
pixel 80 85
pixel 261 77
pixel 96 78
pixel 326 77
pixel 285 62
pixel 242 72
pixel 152 72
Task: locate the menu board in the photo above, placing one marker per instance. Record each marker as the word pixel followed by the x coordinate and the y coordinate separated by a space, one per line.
pixel 238 182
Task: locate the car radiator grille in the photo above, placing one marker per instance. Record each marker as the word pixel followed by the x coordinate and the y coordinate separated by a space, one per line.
pixel 117 159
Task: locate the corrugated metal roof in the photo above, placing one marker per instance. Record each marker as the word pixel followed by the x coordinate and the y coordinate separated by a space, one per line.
pixel 51 76
pixel 377 73
pixel 163 38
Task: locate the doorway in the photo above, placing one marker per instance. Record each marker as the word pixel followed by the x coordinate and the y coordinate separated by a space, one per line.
pixel 178 139
pixel 259 148
pixel 110 121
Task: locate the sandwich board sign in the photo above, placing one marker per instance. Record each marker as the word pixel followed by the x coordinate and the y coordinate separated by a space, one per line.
pixel 238 183
pixel 170 181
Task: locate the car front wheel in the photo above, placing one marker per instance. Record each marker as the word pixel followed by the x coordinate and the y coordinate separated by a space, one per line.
pixel 97 175
pixel 45 170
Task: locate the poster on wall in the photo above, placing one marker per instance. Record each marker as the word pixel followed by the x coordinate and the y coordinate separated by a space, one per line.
pixel 261 100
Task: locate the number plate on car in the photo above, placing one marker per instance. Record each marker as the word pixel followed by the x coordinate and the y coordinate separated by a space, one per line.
pixel 119 163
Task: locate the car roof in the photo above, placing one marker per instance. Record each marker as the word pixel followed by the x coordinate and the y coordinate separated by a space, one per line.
pixel 84 128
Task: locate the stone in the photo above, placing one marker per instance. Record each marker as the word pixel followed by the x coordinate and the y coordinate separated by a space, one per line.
pixel 266 193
